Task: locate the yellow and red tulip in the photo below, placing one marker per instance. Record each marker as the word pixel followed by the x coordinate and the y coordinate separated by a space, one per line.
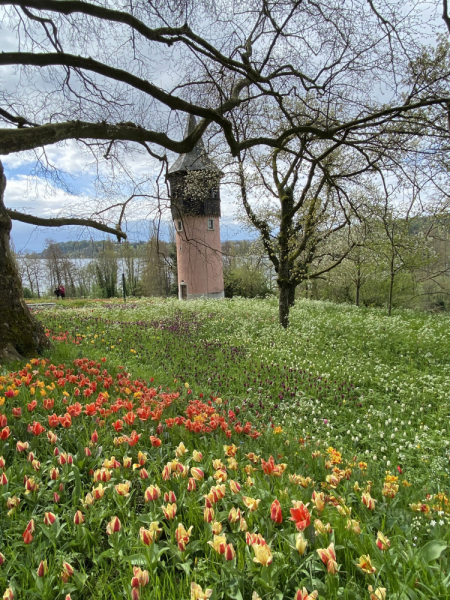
pixel 365 564
pixel 197 473
pixel 152 493
pixel 251 503
pixel 382 541
pixel 234 486
pixel 263 554
pixel 301 543
pixel 67 572
pixel 275 512
pixel 198 594
pixel 114 526
pixel 78 518
pixel 219 543
pixel 42 569
pixel 170 511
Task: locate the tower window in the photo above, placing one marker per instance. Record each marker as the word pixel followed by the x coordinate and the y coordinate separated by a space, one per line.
pixel 210 224
pixel 213 193
pixel 179 225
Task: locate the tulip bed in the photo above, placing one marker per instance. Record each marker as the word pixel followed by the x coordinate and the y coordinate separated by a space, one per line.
pixel 118 482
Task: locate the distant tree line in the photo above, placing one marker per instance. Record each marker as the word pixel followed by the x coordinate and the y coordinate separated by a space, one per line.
pixel 393 262
pixel 147 268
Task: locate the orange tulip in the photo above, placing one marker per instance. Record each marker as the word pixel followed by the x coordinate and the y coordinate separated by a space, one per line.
pixel 192 485
pixel 300 515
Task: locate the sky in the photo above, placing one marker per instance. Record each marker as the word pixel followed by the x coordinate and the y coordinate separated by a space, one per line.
pixel 30 192
pixel 27 190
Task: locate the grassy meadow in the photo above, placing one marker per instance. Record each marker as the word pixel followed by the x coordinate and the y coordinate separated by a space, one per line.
pixel 169 450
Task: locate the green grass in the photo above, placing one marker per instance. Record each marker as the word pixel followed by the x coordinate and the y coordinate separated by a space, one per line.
pixel 384 382
pixel 372 387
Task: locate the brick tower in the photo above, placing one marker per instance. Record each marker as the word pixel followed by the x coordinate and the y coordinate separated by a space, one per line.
pixel 195 204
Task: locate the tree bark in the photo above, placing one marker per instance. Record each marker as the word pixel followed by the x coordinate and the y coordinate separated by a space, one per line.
pixel 358 285
pixel 285 303
pixel 20 333
pixel 391 288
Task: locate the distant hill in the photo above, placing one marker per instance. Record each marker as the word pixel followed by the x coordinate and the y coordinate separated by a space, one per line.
pixel 91 249
pixel 81 249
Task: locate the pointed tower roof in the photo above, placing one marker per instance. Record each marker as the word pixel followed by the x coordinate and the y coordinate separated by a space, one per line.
pixel 195 160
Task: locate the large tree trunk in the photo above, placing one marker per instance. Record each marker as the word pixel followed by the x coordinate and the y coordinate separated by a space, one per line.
pixel 358 285
pixel 20 333
pixel 391 287
pixel 286 301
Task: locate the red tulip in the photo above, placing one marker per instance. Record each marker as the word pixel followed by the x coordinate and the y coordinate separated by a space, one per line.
pixel 275 512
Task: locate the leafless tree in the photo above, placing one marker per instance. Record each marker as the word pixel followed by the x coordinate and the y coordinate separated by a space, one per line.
pixel 335 72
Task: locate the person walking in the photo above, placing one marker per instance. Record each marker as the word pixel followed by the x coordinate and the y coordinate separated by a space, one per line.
pixel 57 293
pixel 62 291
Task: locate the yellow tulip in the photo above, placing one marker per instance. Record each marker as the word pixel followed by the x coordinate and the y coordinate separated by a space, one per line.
pixel 263 555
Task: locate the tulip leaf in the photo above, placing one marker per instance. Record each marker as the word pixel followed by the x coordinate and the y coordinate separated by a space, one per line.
pixel 235 593
pixel 137 559
pixel 432 550
pixel 78 485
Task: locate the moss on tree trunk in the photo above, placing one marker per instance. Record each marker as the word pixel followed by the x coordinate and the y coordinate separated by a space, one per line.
pixel 20 333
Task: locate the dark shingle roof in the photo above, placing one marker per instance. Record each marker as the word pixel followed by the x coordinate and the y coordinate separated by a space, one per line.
pixel 197 159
